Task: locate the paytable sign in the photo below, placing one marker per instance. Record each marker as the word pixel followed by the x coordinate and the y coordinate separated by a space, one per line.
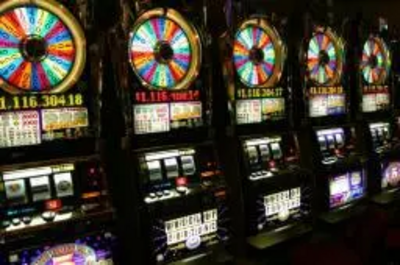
pixel 248 111
pixel 151 118
pixel 64 118
pixel 375 102
pixel 186 111
pixel 19 128
pixel 325 105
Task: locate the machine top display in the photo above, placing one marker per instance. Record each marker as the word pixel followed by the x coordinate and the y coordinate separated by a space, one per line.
pixel 42 47
pixel 164 50
pixel 325 57
pixel 258 53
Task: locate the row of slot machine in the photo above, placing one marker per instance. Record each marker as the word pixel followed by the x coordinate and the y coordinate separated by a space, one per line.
pixel 113 138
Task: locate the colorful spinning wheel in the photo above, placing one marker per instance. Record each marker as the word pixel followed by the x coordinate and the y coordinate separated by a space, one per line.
pixel 165 51
pixel 42 47
pixel 258 53
pixel 375 61
pixel 325 57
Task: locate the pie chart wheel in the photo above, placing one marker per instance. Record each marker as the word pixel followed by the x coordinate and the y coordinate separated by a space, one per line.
pixel 375 61
pixel 324 58
pixel 42 47
pixel 164 50
pixel 258 53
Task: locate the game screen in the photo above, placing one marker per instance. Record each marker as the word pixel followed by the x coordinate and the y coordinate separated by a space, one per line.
pixel 258 58
pixel 165 55
pixel 42 55
pixel 390 175
pixel 93 249
pixel 282 205
pixel 375 70
pixel 179 237
pixel 324 66
pixel 346 188
pixel 279 208
pixel 190 229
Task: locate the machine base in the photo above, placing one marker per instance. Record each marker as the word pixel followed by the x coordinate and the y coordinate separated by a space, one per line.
pixel 386 198
pixel 268 239
pixel 217 256
pixel 341 215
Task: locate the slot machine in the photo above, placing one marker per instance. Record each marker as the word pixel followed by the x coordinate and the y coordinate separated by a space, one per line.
pixel 337 160
pixel 165 84
pixel 376 86
pixel 276 189
pixel 52 179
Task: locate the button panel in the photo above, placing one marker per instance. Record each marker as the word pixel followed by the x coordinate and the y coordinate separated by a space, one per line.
pixel 34 196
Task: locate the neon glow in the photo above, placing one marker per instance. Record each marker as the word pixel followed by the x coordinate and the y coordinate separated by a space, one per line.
pixel 254 56
pixel 37 49
pixel 160 52
pixel 391 175
pixel 322 62
pixel 67 254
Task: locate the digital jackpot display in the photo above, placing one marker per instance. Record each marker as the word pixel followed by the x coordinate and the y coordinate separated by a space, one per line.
pixel 165 53
pixel 258 58
pixel 324 66
pixel 375 66
pixel 42 57
pixel 346 188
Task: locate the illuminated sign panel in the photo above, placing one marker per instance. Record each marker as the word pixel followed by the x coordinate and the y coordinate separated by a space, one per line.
pixel 346 188
pixel 326 101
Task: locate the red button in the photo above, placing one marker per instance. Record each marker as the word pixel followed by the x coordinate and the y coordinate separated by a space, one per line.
pixel 53 205
pixel 272 164
pixel 181 181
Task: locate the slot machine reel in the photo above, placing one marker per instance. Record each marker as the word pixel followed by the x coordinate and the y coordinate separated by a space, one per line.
pixel 184 192
pixel 271 156
pixel 176 173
